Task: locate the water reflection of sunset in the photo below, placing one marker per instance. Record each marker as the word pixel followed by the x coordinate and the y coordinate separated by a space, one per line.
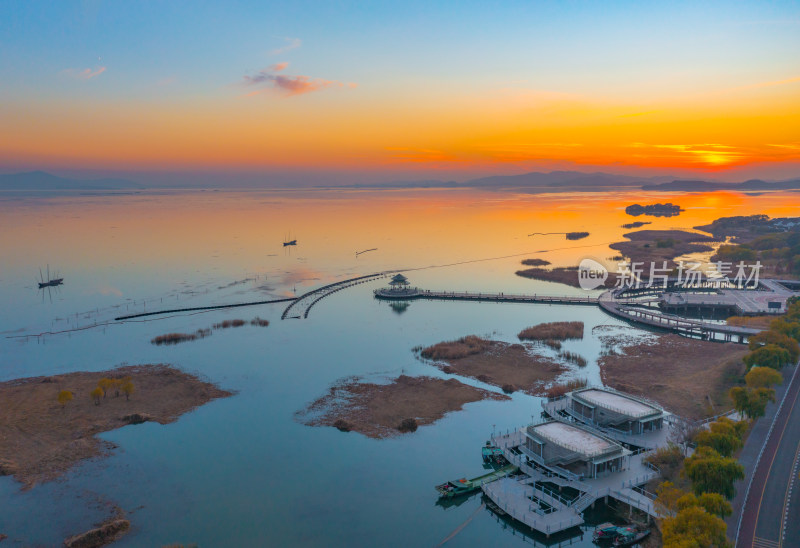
pixel 240 231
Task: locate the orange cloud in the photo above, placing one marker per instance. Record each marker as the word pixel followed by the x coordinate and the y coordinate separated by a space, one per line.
pixel 268 80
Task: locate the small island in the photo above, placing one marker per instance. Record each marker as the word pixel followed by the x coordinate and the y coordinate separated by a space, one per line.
pixel 656 246
pixel 511 367
pixel 49 424
pixel 388 410
pixel 654 210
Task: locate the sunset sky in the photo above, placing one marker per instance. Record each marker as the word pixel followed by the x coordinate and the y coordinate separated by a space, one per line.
pixel 379 91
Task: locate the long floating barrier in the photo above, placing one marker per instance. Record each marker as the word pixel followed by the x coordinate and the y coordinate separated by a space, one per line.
pixel 196 308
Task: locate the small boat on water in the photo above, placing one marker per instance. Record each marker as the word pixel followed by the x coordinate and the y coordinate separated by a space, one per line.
pixel 51 283
pixel 464 486
pixel 627 536
pixel 605 531
pixel 290 242
pixel 493 455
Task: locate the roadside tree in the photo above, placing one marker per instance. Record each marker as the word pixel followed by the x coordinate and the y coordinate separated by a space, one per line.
pixel 763 377
pixel 710 472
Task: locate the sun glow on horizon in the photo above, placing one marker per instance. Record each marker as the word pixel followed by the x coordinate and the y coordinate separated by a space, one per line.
pixel 694 105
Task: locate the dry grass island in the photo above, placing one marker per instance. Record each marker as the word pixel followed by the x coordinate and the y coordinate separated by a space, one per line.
pixel 511 367
pixel 646 246
pixel 44 431
pixel 387 410
pixel 686 376
pixel 176 338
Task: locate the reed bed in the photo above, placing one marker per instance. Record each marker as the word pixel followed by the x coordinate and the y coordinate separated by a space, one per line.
pixel 228 324
pixel 552 331
pixel 176 338
pixel 259 322
pixel 453 350
pixel 572 357
pixel 558 390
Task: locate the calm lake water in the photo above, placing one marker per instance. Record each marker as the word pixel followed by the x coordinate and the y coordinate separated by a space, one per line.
pixel 242 471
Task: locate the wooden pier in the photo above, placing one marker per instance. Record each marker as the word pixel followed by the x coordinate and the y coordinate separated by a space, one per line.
pixel 629 310
pixel 415 293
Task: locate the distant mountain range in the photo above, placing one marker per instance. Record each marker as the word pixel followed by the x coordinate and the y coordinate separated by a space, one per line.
pixel 559 181
pixel 544 182
pixel 41 180
pixel 706 186
pixel 534 182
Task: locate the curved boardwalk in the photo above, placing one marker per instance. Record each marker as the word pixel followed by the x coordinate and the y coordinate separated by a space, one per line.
pixel 684 326
pixel 301 306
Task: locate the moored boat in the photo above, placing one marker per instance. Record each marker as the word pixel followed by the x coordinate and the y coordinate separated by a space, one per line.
pixel 626 536
pixel 493 455
pixel 464 486
pixel 605 531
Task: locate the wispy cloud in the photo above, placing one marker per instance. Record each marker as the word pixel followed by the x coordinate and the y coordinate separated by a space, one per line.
pixel 415 155
pixel 785 145
pixel 85 74
pixel 291 43
pixel 708 154
pixel 269 80
pixel 769 84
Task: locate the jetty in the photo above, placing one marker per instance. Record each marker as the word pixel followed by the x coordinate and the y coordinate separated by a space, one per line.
pixel 646 306
pixel 415 293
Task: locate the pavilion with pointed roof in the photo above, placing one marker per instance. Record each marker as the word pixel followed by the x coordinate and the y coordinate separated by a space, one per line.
pixel 398 282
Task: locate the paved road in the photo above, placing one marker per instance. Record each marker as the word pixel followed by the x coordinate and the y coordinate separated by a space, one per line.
pixel 773 497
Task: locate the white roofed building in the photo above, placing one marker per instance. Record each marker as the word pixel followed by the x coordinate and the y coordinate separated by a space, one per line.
pixel 572 448
pixel 608 408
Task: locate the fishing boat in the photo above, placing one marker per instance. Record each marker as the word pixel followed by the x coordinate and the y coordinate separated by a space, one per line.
pixel 287 240
pixel 627 536
pixel 464 486
pixel 605 531
pixel 493 455
pixel 50 282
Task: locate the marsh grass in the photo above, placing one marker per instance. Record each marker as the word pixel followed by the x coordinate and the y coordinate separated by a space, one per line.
pixel 259 322
pixel 572 357
pixel 453 350
pixel 176 338
pixel 553 331
pixel 229 323
pixel 558 390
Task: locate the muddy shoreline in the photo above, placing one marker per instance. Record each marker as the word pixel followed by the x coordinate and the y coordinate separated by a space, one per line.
pixel 40 439
pixel 382 410
pixel 510 367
